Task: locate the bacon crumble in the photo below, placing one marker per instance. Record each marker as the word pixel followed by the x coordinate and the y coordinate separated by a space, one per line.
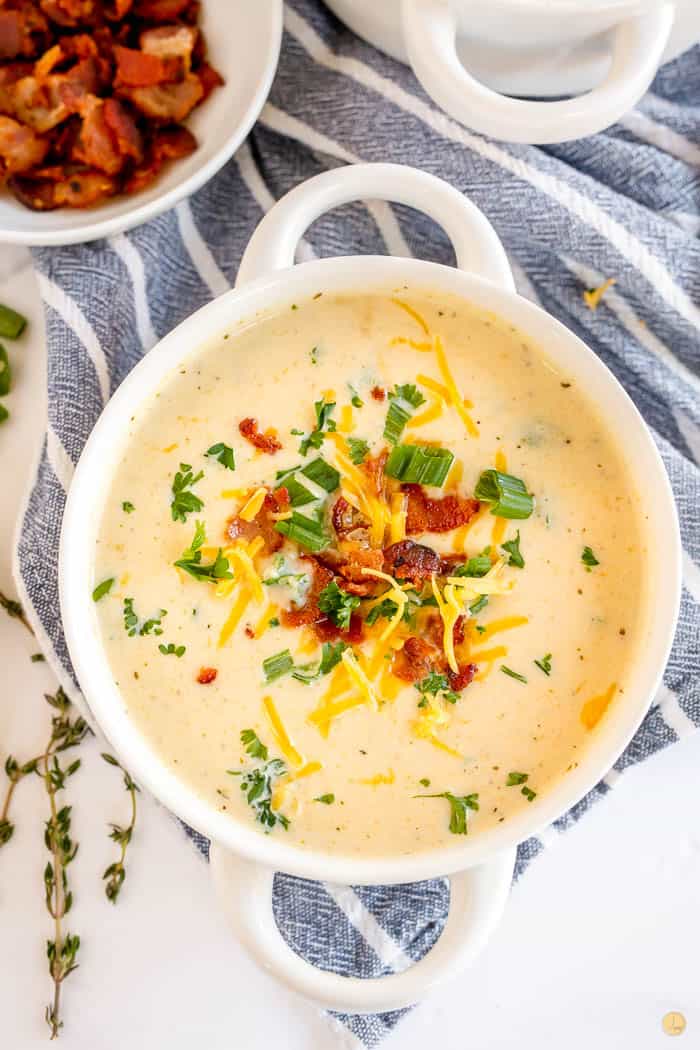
pixel 207 675
pixel 424 514
pixel 265 442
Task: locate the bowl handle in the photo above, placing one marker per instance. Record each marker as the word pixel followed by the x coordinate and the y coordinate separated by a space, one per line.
pixel 275 241
pixel 477 899
pixel 430 36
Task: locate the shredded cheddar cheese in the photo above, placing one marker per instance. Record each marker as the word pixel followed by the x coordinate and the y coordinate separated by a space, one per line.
pixel 437 388
pixel 397 523
pixel 252 507
pixel 412 313
pixel 345 424
pixel 455 397
pixel 450 610
pixel 359 678
pixel 594 709
pixel 507 623
pixel 432 718
pixel 379 778
pixel 432 412
pixel 396 594
pixel 592 296
pixel 280 733
pixel 234 616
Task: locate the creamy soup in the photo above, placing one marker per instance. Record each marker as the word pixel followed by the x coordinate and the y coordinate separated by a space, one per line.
pixel 368 573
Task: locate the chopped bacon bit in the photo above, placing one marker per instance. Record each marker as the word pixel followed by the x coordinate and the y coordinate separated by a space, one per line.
pixel 415 660
pixel 207 675
pixel 374 467
pixel 167 102
pixel 22 30
pixel 326 631
pixel 378 393
pixel 160 10
pixel 346 519
pixel 138 69
pixel 170 42
pixel 20 147
pixel 209 79
pixel 166 144
pixel 436 515
pixel 249 632
pixel 356 557
pixel 123 128
pixel 265 442
pixel 96 146
pixel 463 678
pixel 309 613
pixel 263 524
pixel 83 189
pixel 407 560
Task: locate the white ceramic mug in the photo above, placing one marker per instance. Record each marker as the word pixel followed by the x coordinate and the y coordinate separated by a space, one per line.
pixel 243 860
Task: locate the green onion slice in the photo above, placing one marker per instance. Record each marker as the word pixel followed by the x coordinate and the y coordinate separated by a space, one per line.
pixel 12 324
pixel 276 666
pixel 419 464
pixel 508 495
pixel 307 532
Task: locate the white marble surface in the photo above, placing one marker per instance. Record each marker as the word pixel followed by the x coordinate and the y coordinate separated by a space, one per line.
pixel 600 938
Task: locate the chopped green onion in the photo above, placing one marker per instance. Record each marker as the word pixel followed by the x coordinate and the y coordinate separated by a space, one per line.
pixel 12 324
pixel 323 474
pixel 356 401
pixel 5 372
pixel 327 800
pixel 307 532
pixel 299 495
pixel 508 495
pixel 589 559
pixel 403 400
pixel 276 666
pixel 477 566
pixel 481 602
pixel 128 507
pixel 515 779
pixel 419 464
pixel 514 674
pixel 408 392
pixel 172 650
pixel 102 588
pixel 529 794
pixel 545 664
pixel 512 547
pixel 4 414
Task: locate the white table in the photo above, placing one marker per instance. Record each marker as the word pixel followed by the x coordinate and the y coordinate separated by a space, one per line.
pixel 599 941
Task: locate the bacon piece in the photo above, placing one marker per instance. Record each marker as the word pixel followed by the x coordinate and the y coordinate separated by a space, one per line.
pixel 374 467
pixel 123 128
pixel 138 69
pixel 265 442
pixel 82 189
pixel 118 10
pixel 166 144
pixel 20 147
pixel 263 524
pixel 169 103
pixel 378 393
pixel 170 42
pixel 407 560
pixel 357 556
pixel 207 675
pixel 209 78
pixel 22 30
pixel 463 678
pixel 96 145
pixel 415 660
pixel 160 10
pixel 9 75
pixel 347 520
pixel 327 631
pixel 436 515
pixel 309 613
pixel 69 12
pixel 37 194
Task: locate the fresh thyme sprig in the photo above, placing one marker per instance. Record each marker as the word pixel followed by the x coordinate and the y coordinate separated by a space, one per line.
pixel 15 772
pixel 116 872
pixel 63 948
pixel 13 609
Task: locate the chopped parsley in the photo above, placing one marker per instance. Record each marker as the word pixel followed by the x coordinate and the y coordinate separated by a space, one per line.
pixel 313 354
pixel 5 371
pixel 330 657
pixel 4 414
pixel 253 745
pixel 424 782
pixel 513 549
pixel 477 566
pixel 545 664
pixel 185 501
pixel 257 785
pixel 518 779
pixel 459 804
pixel 385 608
pixel 327 800
pixel 223 454
pixel 324 425
pixel 131 621
pixel 191 560
pixel 355 399
pixel 172 650
pixel 358 450
pixel 337 604
pixel 588 558
pixel 433 684
pixel 102 588
pixel 128 507
pixel 514 674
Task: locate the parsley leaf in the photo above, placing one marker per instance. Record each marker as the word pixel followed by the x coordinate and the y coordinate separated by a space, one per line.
pixel 515 779
pixel 477 566
pixel 257 785
pixel 358 449
pixel 337 604
pixel 185 502
pixel 131 621
pixel 324 425
pixel 327 800
pixel 102 588
pixel 223 454
pixel 172 650
pixel 589 559
pixel 433 684
pixel 513 549
pixel 459 804
pixel 191 560
pixel 253 745
pixel 545 664
pixel 128 507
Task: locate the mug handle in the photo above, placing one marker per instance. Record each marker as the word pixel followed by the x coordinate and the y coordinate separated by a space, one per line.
pixel 477 899
pixel 430 36
pixel 244 887
pixel 276 238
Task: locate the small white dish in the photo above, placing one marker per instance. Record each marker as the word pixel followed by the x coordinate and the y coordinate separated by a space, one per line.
pixel 243 859
pixel 534 49
pixel 243 41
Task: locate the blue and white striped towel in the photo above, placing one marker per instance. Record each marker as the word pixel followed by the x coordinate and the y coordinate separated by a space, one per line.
pixel 625 203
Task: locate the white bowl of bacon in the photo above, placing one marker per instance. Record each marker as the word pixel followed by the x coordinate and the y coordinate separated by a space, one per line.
pixel 243 858
pixel 111 111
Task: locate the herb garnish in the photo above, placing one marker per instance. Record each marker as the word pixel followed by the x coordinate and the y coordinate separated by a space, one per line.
pixel 223 454
pixel 545 664
pixel 589 559
pixel 184 501
pixel 477 566
pixel 5 372
pixel 258 783
pixel 514 674
pixel 283 578
pixel 15 611
pixel 513 548
pixel 327 800
pixel 253 744
pixel 330 658
pixel 516 779
pixel 308 532
pixel 458 809
pixel 172 650
pixel 507 494
pixel 403 399
pixel 128 507
pixel 337 604
pixel 419 464
pixel 355 400
pixel 131 621
pixel 191 559
pixel 481 602
pixel 102 588
pixel 433 684
pixel 276 666
pixel 12 324
pixel 424 782
pixel 358 450
pixel 116 872
pixel 324 425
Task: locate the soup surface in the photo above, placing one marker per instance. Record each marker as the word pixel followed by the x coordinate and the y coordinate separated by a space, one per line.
pixel 368 576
